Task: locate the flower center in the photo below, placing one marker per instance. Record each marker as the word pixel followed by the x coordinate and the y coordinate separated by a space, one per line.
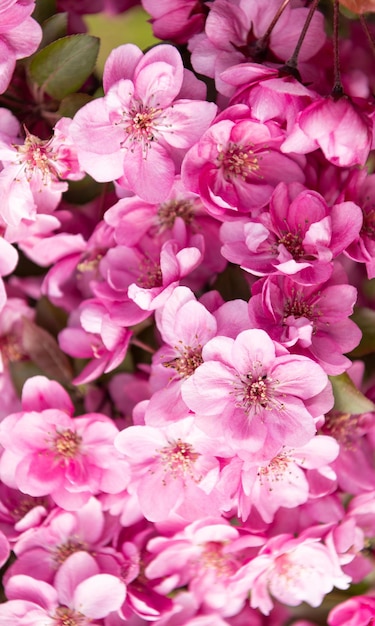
pixel 68 617
pixel 297 307
pixel 150 274
pixel 344 427
pixel 238 161
pixel 37 154
pixel 368 227
pixel 293 243
pixel 255 391
pixel 186 364
pixel 213 558
pixel 28 504
pixel 11 348
pixel 275 469
pixel 168 211
pixel 67 443
pixel 67 549
pixel 140 125
pixel 178 459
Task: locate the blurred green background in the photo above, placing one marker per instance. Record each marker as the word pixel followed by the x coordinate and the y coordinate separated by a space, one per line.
pixel 131 27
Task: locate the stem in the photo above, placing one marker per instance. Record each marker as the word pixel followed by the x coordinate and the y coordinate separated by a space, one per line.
pixel 143 346
pixel 367 32
pixel 337 90
pixel 292 63
pixel 263 41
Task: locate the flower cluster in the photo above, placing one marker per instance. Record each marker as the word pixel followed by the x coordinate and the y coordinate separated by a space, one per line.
pixel 187 252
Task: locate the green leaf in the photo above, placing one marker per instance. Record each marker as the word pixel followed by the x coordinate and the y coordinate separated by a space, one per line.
pixel 43 10
pixel 365 319
pixel 54 28
pixel 348 398
pixel 62 67
pixel 72 103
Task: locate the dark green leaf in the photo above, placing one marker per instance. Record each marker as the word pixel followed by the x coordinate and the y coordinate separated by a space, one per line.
pixel 365 319
pixel 54 28
pixel 72 103
pixel 348 398
pixel 62 67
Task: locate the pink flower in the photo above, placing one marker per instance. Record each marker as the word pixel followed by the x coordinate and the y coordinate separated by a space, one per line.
pixel 357 611
pixel 20 36
pixel 138 131
pixel 234 27
pixel 174 469
pixel 292 570
pixel 31 180
pixel 249 390
pixel 311 320
pixel 236 164
pixel 339 127
pixel 300 236
pixel 47 452
pixel 80 595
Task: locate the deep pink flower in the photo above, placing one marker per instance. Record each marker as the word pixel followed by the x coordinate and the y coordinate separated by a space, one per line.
pixel 233 28
pixel 338 127
pixel 249 390
pixel 138 131
pixel 311 320
pixel 356 611
pixel 176 20
pixel 299 236
pixel 236 164
pixel 47 452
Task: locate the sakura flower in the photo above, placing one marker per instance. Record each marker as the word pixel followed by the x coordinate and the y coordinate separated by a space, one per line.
pixel 176 20
pixel 233 34
pixel 47 452
pixel 31 178
pixel 173 469
pixel 292 570
pixel 356 611
pixel 81 595
pixel 248 390
pixel 300 236
pixel 20 36
pixel 236 164
pixel 310 320
pixel 205 556
pixel 138 130
pixel 281 482
pixel 339 127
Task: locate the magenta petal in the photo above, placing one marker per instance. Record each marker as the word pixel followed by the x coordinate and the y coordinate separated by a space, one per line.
pixel 40 393
pixel 77 568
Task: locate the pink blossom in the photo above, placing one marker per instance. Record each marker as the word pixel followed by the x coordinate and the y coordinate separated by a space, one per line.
pixel 233 33
pixel 248 390
pixel 205 556
pixel 174 469
pixel 138 130
pixel 283 481
pixel 339 127
pixel 80 594
pixel 292 570
pixel 47 452
pixel 20 36
pixel 176 20
pixel 356 611
pixel 311 320
pixel 300 236
pixel 236 164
